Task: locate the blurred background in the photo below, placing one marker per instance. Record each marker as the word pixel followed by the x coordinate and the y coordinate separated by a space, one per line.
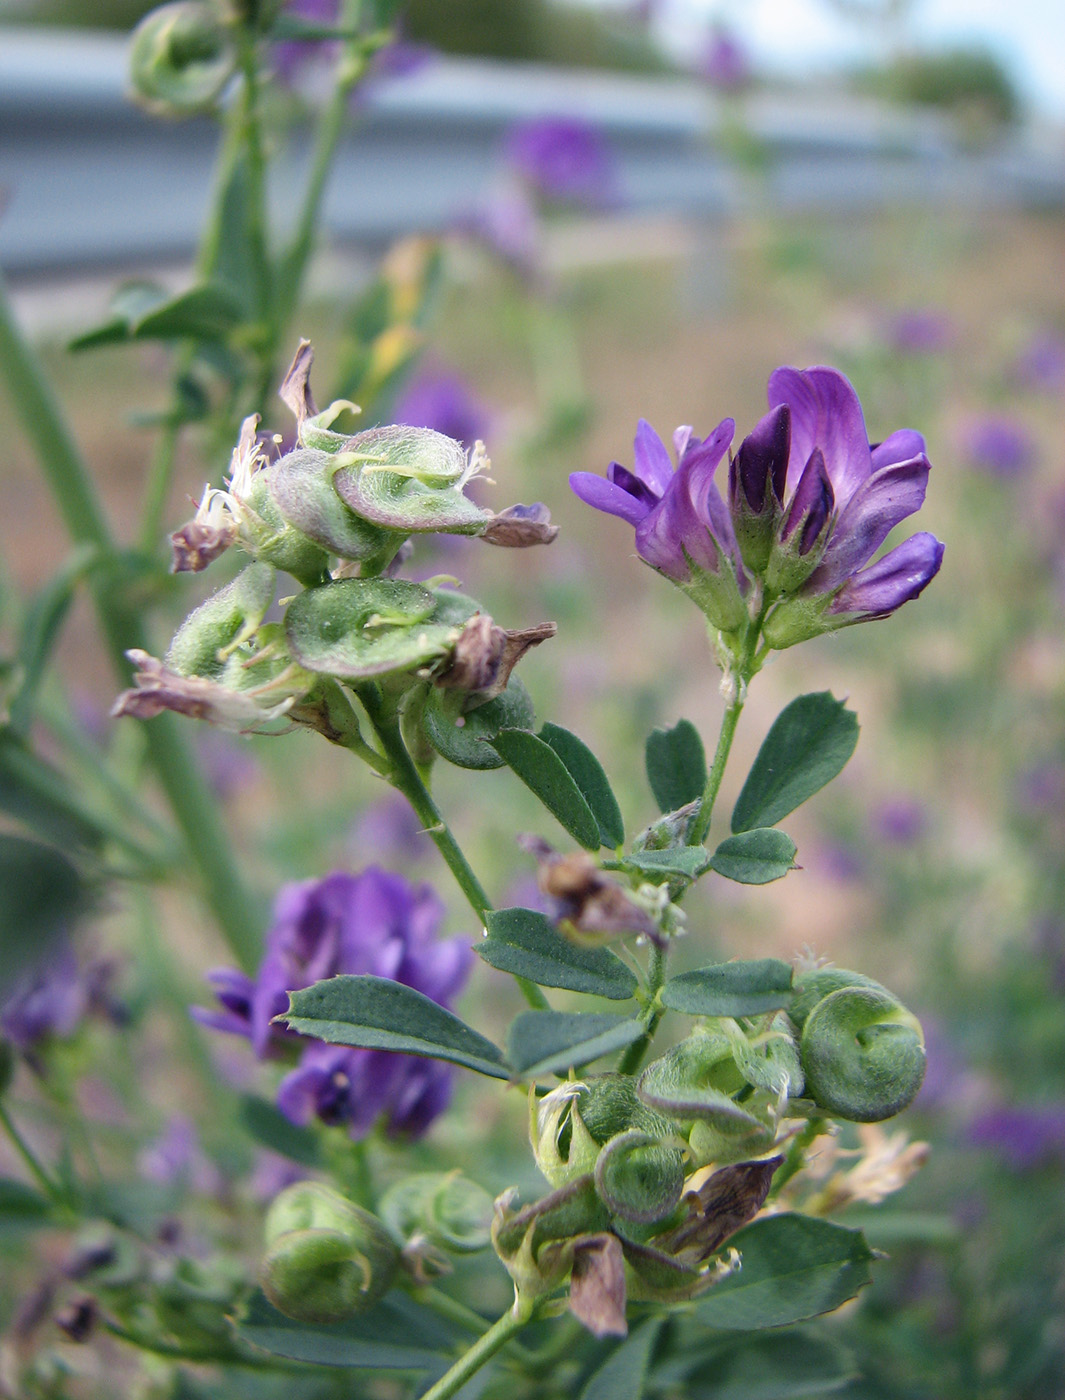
pixel 638 210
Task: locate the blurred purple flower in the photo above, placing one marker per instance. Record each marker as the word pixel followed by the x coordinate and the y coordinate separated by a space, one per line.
pixel 899 820
pixel 1040 790
pixel 271 1173
pixel 507 223
pixel 387 830
pixel 175 1158
pixel 1041 363
pixel 563 159
pixel 919 331
pixel 724 62
pixel 290 55
pixel 441 400
pixel 841 861
pixel 998 444
pixel 228 763
pixel 374 923
pixel 54 997
pixel 1023 1136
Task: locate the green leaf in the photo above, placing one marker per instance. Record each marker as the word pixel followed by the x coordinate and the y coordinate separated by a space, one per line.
pixel 780 1366
pixel 587 772
pixel 676 765
pixel 731 989
pixel 685 862
pixel 43 798
pixel 551 1042
pixel 21 1205
pixel 755 857
pixel 41 626
pixel 378 1014
pixel 794 1267
pixel 527 944
pixel 396 1334
pixel 360 628
pixel 809 743
pixel 41 894
pixel 130 302
pixel 143 311
pixel 623 1375
pixel 271 1129
pixel 543 772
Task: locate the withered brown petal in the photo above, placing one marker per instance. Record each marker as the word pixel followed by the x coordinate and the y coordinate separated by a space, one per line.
pixel 597 1285
pixel 295 391
pixel 518 527
pixel 726 1201
pixel 477 656
pixel 196 545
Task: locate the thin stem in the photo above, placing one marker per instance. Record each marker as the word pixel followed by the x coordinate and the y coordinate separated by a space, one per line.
pixel 482 1351
pixel 51 1188
pixel 190 798
pixel 452 1309
pixel 351 67
pixel 701 825
pixel 656 975
pixel 404 776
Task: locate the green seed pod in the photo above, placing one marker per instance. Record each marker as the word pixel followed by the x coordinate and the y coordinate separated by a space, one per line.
pixel 326 1258
pixel 410 480
pixel 221 624
pixel 561 1143
pixel 181 57
pixel 444 1208
pixel 863 1054
pixel 356 629
pixel 465 738
pixel 813 987
pixel 267 536
pixel 301 486
pixel 638 1177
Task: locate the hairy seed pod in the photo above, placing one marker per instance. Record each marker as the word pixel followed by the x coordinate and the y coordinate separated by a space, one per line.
pixel 445 1208
pixel 181 58
pixel 638 1177
pixel 326 1258
pixel 862 1053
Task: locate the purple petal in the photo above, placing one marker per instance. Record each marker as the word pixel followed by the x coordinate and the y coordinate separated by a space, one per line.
pixel 891 581
pixel 812 503
pixel 825 413
pixel 651 459
pixel 901 446
pixel 695 476
pixel 661 536
pixel 621 476
pixel 604 495
pixel 871 514
pixel 763 457
pixel 681 438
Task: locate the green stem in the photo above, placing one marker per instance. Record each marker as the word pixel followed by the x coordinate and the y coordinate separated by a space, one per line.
pixel 190 798
pixel 482 1351
pixel 351 67
pixel 404 776
pixel 51 1189
pixel 796 1158
pixel 701 826
pixel 656 975
pixel 452 1310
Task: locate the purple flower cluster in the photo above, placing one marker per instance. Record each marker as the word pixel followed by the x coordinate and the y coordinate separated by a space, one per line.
pixel 998 444
pixel 1025 1136
pixel 810 501
pixel 53 998
pixel 374 923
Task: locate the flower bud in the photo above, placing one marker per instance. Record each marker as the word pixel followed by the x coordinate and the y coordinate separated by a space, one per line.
pixel 326 1258
pixel 757 477
pixel 863 1054
pixel 180 58
pixel 804 534
pixel 445 1209
pixel 796 620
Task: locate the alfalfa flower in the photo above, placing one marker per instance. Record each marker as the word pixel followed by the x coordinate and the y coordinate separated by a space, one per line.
pixel 683 528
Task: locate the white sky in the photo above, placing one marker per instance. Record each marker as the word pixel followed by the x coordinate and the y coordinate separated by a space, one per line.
pixel 800 35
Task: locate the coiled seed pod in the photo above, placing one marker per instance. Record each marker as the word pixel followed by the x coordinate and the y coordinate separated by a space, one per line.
pixel 326 1258
pixel 638 1177
pixel 445 1208
pixel 862 1053
pixel 181 58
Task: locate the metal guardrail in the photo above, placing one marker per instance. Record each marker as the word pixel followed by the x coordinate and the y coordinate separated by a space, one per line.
pixel 91 181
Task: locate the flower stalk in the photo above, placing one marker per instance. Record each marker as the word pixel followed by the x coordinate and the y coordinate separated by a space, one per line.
pixel 482 1351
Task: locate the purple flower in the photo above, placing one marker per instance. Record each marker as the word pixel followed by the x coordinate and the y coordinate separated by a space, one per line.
pixel 921 331
pixel 998 444
pixel 900 821
pixel 724 63
pixel 443 401
pixel 1041 364
pixel 563 159
pixel 682 526
pixel 290 55
pixel 175 1158
pixel 507 223
pixel 812 496
pixel 374 923
pixel 52 999
pixel 1024 1136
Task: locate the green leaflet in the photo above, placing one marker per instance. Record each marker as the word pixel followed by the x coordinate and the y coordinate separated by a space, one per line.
pixel 396 1334
pixel 676 765
pixel 587 772
pixel 731 989
pixel 526 943
pixel 809 743
pixel 552 1042
pixel 379 1014
pixel 542 771
pixel 755 857
pixel 623 1375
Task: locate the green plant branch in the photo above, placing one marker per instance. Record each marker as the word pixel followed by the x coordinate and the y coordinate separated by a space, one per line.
pixel 404 776
pixel 482 1351
pixel 189 796
pixel 51 1188
pixel 452 1310
pixel 653 1010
